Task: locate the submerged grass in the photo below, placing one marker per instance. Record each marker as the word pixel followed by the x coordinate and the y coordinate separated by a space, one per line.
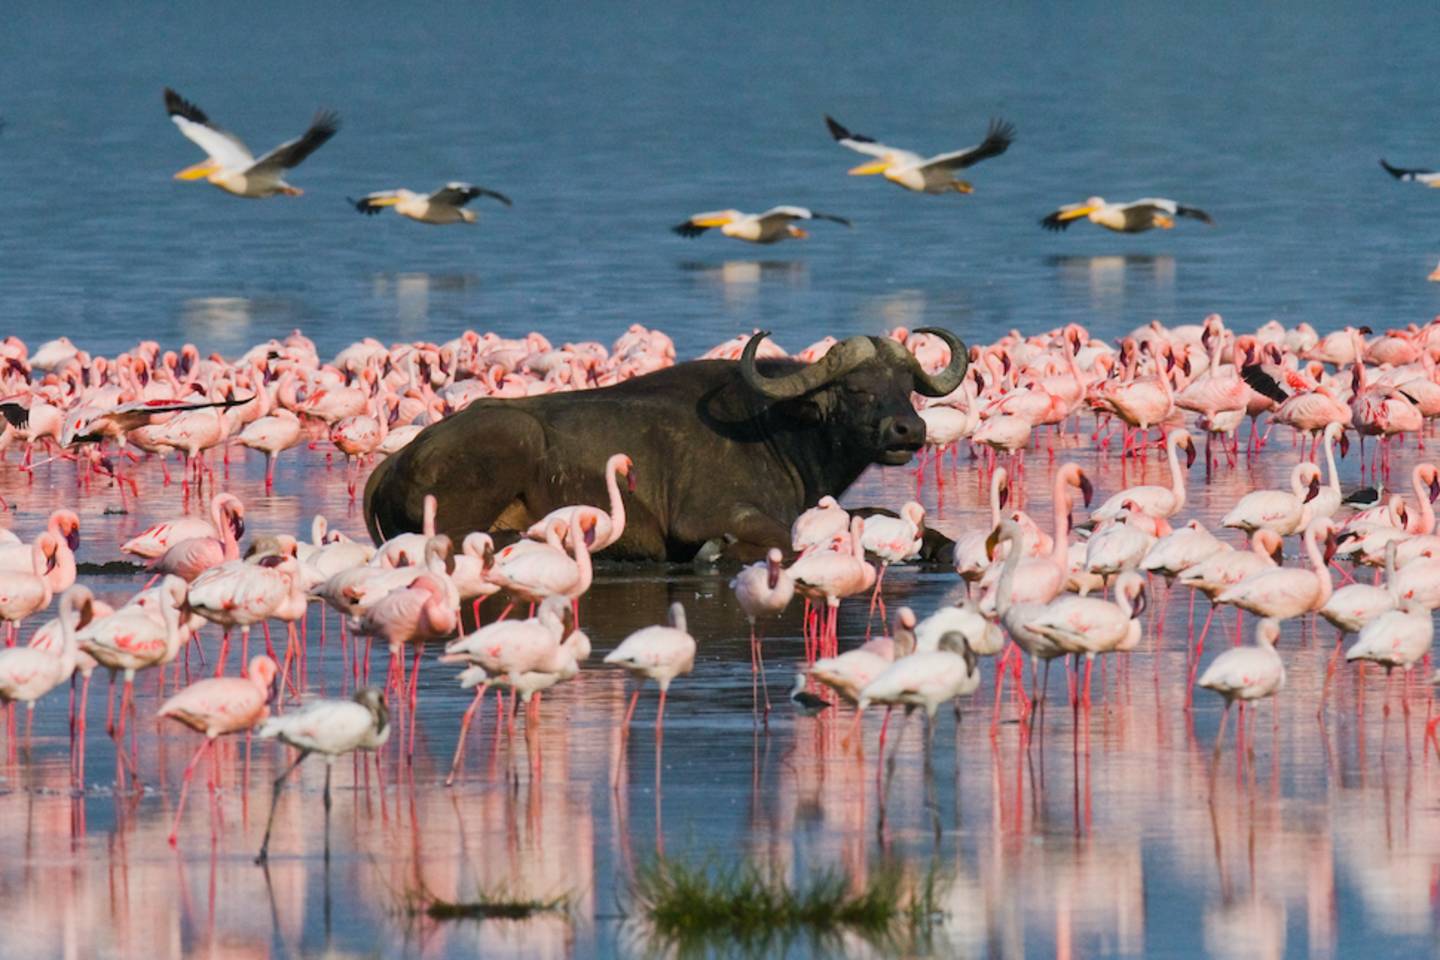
pixel 692 906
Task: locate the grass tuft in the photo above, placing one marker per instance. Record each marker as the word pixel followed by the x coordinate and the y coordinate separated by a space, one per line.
pixel 498 904
pixel 690 905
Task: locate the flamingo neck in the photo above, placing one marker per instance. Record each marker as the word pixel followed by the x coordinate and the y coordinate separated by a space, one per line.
pixel 617 503
pixel 1177 479
pixel 1060 551
pixel 1334 481
pixel 1004 589
pixel 997 480
pixel 1426 523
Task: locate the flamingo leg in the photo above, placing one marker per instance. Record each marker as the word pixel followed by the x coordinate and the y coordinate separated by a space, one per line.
pixel 464 729
pixel 185 787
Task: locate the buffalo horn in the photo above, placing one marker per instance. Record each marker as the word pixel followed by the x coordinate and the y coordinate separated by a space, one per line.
pixel 947 380
pixel 841 359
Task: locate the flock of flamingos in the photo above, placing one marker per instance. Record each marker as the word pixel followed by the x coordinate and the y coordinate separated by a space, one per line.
pixel 1072 590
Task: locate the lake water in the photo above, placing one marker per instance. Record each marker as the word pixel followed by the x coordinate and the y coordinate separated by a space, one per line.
pixel 1112 836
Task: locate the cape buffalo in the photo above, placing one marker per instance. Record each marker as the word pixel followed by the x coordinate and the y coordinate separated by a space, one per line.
pixel 722 448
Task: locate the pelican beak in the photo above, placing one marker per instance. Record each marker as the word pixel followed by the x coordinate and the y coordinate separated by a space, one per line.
pixel 867 169
pixel 199 171
pixel 382 202
pixel 1076 214
pixel 708 222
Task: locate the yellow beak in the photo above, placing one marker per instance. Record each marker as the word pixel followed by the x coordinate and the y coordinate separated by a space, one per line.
pixel 1076 214
pixel 866 169
pixel 383 202
pixel 198 172
pixel 711 221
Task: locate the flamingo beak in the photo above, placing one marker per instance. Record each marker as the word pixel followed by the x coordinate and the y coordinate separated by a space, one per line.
pixel 1330 545
pixel 1344 445
pixel 1434 487
pixel 1278 554
pixel 1314 490
pixel 237 524
pixel 630 480
pixel 991 543
pixel 1142 600
pixel 1087 490
pixel 1004 495
pixel 72 536
pixel 773 580
pixel 1189 454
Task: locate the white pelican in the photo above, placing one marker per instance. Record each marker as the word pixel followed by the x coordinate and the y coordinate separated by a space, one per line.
pixel 446 205
pixel 773 225
pixel 230 165
pixel 1430 178
pixel 1134 217
pixel 923 174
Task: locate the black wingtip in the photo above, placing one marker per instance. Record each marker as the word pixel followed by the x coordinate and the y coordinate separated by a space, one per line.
pixel 831 217
pixel 1053 223
pixel 1194 213
pixel 497 196
pixel 1262 383
pixel 1001 130
pixel 1395 172
pixel 326 123
pixel 178 106
pixel 836 130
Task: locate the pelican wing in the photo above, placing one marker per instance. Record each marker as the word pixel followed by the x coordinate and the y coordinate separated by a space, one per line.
pixel 1145 208
pixel 798 213
pixel 1406 173
pixel 372 203
pixel 226 149
pixel 293 152
pixel 997 140
pixel 459 194
pixel 857 141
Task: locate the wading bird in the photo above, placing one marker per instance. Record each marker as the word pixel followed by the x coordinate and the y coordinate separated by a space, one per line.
pixel 230 165
pixel 331 728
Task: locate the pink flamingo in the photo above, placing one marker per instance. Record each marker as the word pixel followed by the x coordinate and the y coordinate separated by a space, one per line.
pixel 28 673
pixel 423 611
pixel 357 437
pixel 762 590
pixel 609 527
pixel 834 574
pixel 25 594
pixel 1040 579
pixel 819 525
pixel 1285 592
pixel 893 540
pixel 217 706
pixel 239 593
pixel 271 435
pixel 655 653
pixel 155 540
pixel 405 549
pixel 1246 674
pixel 1151 499
pixel 190 558
pixel 541 572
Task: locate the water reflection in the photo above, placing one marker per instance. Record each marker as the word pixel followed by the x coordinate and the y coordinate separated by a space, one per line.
pixel 739 281
pixel 1116 832
pixel 1107 281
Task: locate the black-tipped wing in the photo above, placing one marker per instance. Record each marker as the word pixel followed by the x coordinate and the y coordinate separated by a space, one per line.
pixel 15 415
pixel 1364 497
pixel 293 153
pixel 178 106
pixel 840 133
pixel 459 194
pixel 1404 173
pixel 1262 383
pixel 831 217
pixel 1194 213
pixel 997 140
pixel 370 204
pixel 688 229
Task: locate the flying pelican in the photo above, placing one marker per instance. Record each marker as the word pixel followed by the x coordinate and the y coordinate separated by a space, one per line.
pixel 772 226
pixel 230 165
pixel 446 205
pixel 923 174
pixel 1430 178
pixel 1135 217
